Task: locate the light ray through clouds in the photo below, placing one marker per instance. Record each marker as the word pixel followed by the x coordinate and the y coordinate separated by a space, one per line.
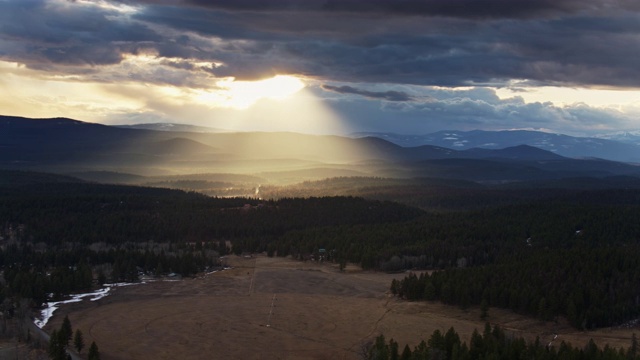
pixel 406 67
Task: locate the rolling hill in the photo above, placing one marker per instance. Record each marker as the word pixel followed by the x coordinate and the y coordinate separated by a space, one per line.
pixel 71 146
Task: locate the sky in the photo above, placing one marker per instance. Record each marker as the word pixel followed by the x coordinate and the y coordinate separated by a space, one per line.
pixel 326 66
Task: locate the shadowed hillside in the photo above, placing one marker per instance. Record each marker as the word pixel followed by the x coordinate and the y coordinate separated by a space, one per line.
pixel 70 146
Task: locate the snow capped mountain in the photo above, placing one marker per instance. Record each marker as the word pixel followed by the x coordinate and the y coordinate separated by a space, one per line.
pixel 630 137
pixel 173 127
pixel 565 145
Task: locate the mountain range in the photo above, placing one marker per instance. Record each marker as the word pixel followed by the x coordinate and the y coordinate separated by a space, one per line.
pixel 631 137
pixel 69 146
pixel 617 147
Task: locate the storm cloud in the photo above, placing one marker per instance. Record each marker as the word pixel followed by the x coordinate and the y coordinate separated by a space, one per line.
pixel 345 44
pixel 577 43
pixel 557 42
pixel 459 8
pixel 383 95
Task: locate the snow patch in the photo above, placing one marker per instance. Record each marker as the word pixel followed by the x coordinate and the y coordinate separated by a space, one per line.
pixel 215 271
pixel 52 306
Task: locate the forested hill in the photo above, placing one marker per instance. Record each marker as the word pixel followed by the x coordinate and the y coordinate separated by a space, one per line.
pixel 10 178
pixel 56 213
pixel 56 232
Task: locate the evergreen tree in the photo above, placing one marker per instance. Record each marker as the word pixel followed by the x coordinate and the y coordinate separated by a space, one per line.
pixel 393 350
pixel 56 346
pixel 394 287
pixel 380 349
pixel 78 341
pixel 94 353
pixel 102 278
pixel 406 353
pixel 65 331
pixel 484 309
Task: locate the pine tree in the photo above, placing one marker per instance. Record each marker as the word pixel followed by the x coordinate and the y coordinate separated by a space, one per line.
pixel 78 341
pixel 406 353
pixel 484 309
pixel 56 346
pixel 102 278
pixel 94 354
pixel 394 287
pixel 393 350
pixel 65 331
pixel 380 349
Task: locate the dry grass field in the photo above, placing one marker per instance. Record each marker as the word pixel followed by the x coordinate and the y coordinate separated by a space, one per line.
pixel 273 308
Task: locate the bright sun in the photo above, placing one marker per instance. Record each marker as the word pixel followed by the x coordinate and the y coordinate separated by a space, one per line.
pixel 243 94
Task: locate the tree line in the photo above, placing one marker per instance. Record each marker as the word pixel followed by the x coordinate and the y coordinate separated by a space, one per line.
pixel 590 287
pixel 52 272
pixel 493 343
pixel 91 213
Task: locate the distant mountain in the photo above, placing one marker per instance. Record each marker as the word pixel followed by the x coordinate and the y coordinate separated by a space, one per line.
pixel 569 146
pixel 227 181
pixel 629 137
pixel 178 147
pixel 520 152
pixel 13 178
pixel 96 152
pixel 619 182
pixel 108 177
pixel 173 127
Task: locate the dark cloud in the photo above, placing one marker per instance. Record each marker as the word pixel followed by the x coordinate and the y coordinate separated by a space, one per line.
pixel 587 47
pixel 475 42
pixel 39 33
pixel 390 95
pixel 463 8
pixel 478 108
pixel 389 50
pixel 459 8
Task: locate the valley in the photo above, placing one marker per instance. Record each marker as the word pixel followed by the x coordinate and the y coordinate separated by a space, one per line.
pixel 415 241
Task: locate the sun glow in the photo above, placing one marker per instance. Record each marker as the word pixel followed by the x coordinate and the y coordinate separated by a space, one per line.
pixel 281 103
pixel 301 112
pixel 243 94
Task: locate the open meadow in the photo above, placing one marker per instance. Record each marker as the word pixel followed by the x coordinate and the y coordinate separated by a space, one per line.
pixel 274 308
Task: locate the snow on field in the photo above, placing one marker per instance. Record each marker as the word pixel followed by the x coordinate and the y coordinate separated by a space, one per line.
pixel 215 271
pixel 47 312
pixel 51 307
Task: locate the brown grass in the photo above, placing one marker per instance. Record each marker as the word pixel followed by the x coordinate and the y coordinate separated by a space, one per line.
pixel 318 313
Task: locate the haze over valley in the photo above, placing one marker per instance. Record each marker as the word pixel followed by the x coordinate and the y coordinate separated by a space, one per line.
pixel 138 156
